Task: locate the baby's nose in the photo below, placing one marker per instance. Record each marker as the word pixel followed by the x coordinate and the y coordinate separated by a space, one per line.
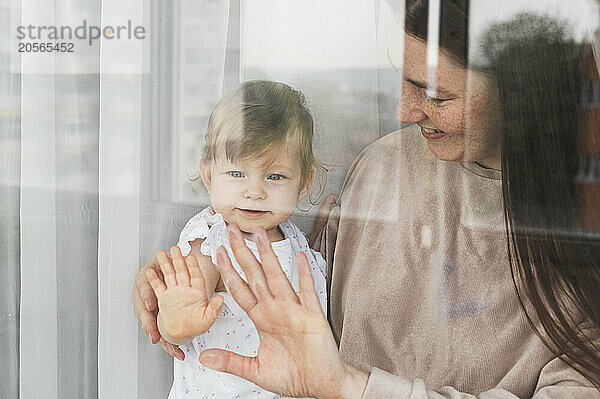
pixel 254 190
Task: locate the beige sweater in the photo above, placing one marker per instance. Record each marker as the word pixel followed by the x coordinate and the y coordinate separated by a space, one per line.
pixel 421 294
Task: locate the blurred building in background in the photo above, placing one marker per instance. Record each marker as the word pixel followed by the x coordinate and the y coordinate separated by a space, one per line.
pixel 589 137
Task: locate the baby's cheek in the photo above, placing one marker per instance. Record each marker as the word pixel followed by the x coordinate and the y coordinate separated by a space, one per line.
pixel 221 203
pixel 286 206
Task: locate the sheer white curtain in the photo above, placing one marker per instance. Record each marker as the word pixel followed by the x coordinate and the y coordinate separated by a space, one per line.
pixel 10 155
pixel 94 181
pixel 97 147
pixel 58 211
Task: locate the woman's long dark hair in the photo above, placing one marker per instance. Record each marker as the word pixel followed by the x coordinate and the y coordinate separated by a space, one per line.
pixel 554 262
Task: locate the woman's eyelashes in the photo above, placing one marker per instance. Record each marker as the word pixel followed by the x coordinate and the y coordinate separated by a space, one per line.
pixel 435 100
pixel 422 88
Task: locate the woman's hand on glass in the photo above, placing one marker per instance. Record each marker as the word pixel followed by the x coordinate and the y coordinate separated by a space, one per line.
pixel 297 355
pixel 184 308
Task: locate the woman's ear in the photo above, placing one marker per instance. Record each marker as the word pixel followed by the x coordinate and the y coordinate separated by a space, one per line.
pixel 306 186
pixel 205 173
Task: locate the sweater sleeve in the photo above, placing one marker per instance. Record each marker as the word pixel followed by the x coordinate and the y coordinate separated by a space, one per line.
pixel 557 381
pixel 385 385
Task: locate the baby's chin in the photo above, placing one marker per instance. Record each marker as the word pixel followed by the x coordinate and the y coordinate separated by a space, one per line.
pixel 249 226
pixel 273 231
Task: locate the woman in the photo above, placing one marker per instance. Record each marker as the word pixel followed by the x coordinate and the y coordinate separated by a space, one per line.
pixel 430 294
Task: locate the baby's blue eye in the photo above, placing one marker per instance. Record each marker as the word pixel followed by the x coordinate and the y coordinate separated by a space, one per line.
pixel 236 173
pixel 276 177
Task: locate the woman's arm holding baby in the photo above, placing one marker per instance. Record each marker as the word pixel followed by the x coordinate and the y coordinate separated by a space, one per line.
pixel 145 308
pixel 183 297
pixel 322 217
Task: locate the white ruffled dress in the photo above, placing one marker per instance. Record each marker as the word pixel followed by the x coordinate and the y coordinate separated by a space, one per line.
pixel 233 329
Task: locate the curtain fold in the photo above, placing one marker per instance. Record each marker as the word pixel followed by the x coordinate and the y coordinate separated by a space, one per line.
pixel 10 175
pixel 59 211
pixel 121 70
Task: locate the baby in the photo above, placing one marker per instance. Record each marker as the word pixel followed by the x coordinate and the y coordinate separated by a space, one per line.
pixel 257 165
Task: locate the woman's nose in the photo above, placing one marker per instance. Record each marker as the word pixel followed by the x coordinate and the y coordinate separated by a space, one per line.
pixel 254 190
pixel 411 106
pixel 410 109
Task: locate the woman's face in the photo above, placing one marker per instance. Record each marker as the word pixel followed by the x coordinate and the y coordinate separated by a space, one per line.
pixel 461 117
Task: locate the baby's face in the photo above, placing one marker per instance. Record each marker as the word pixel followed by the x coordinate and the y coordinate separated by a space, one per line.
pixel 252 194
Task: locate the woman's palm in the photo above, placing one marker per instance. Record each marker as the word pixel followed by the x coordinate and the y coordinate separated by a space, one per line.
pixel 283 356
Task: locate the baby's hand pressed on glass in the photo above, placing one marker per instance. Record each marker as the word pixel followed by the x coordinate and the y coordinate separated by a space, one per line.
pixel 184 308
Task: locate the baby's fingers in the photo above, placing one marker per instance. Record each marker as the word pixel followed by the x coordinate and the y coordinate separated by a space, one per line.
pixel 196 276
pixel 157 285
pixel 181 270
pixel 167 268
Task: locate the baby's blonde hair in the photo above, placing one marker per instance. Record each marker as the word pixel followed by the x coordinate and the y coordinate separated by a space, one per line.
pixel 261 118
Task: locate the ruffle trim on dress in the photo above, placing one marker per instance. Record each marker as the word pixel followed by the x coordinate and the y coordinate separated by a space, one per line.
pixel 210 227
pixel 206 225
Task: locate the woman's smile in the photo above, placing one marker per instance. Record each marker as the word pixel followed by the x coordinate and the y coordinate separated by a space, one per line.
pixel 431 133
